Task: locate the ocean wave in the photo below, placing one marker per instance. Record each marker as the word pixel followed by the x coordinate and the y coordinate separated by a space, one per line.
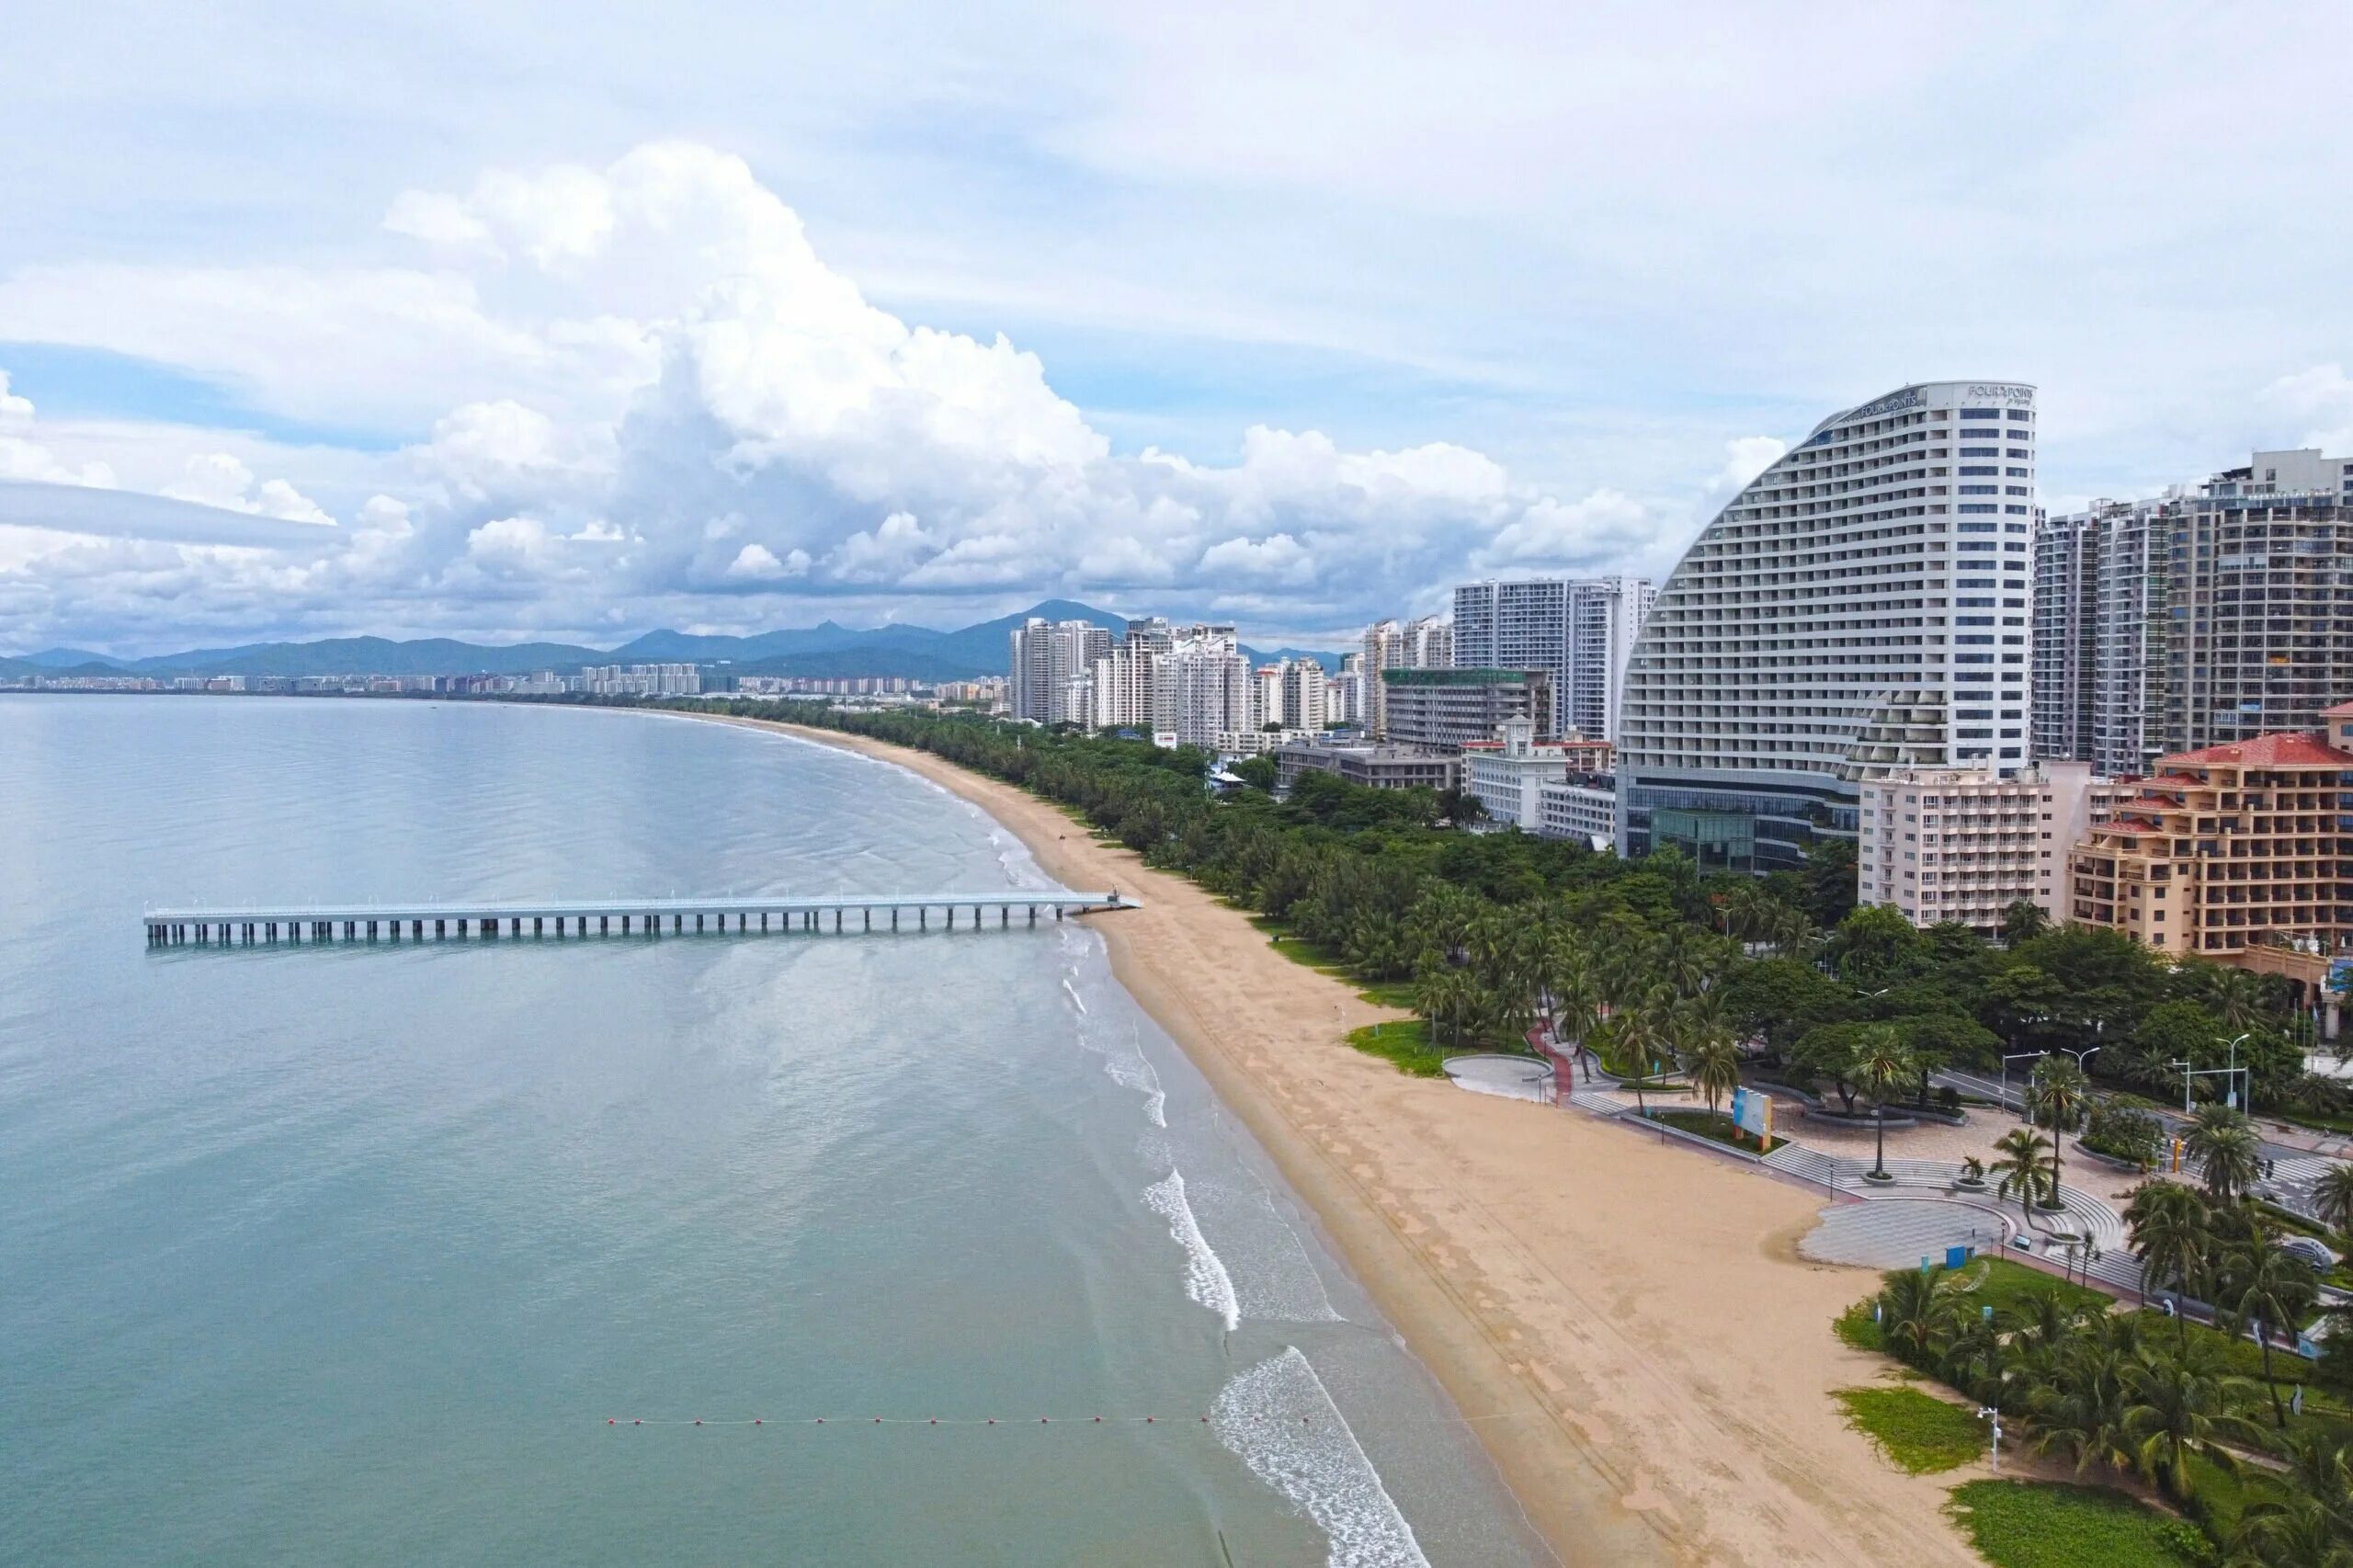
pixel 1075 1000
pixel 1279 1420
pixel 1206 1280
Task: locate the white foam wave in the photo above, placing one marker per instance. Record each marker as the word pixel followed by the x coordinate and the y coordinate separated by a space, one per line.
pixel 1275 1280
pixel 1279 1419
pixel 1206 1280
pixel 1075 1000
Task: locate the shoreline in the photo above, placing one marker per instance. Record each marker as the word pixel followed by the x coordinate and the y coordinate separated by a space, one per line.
pixel 1641 1407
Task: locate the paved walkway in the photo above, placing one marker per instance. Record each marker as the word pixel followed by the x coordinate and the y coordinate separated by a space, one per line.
pixel 1897 1232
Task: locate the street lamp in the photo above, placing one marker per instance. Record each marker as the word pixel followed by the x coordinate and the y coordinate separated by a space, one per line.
pixel 1988 1413
pixel 2015 1056
pixel 2082 1056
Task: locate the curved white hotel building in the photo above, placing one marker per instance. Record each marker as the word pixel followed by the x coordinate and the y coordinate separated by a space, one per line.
pixel 1862 608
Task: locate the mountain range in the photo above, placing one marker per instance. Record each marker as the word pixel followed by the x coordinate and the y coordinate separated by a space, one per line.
pixel 824 651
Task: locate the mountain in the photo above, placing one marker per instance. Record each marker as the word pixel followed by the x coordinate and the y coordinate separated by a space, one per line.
pixel 1331 662
pixel 828 650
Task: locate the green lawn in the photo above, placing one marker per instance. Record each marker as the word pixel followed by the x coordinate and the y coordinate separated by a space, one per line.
pixel 1405 1042
pixel 2004 1285
pixel 1397 994
pixel 1719 1126
pixel 2041 1524
pixel 1856 1329
pixel 1918 1433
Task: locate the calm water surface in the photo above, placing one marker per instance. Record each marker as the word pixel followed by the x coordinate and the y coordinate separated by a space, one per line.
pixel 347 1254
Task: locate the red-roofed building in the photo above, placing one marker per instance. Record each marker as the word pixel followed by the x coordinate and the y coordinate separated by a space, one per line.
pixel 2241 853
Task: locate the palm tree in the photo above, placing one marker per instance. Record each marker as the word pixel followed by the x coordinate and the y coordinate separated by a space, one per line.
pixel 2080 1411
pixel 2172 1235
pixel 1881 1062
pixel 1641 1036
pixel 2231 1160
pixel 2058 1093
pixel 1920 1310
pixel 1712 1064
pixel 2273 1293
pixel 2179 1405
pixel 2332 1197
pixel 2312 1520
pixel 2025 1167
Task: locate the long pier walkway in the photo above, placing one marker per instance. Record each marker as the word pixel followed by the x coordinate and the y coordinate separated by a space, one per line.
pixel 645 916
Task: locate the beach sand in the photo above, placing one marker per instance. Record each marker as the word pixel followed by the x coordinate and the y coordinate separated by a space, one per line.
pixel 1629 1325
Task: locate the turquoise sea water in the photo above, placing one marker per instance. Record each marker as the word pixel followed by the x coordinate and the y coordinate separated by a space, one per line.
pixel 348 1255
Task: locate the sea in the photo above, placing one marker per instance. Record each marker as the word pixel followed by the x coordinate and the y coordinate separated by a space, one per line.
pixel 723 1249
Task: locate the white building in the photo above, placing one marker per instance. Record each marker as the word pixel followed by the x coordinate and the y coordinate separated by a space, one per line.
pixel 1860 608
pixel 1582 629
pixel 1964 844
pixel 643 680
pixel 1508 773
pixel 1121 696
pixel 1053 667
pixel 1266 694
pixel 1201 687
pixel 1304 694
pixel 1581 807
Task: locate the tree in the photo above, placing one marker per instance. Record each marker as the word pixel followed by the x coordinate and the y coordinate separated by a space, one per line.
pixel 1779 999
pixel 1881 1062
pixel 2179 1405
pixel 2171 1233
pixel 2275 1292
pixel 1258 772
pixel 2229 1154
pixel 2057 1094
pixel 1830 1050
pixel 2022 922
pixel 1830 880
pixel 2312 1521
pixel 1711 1062
pixel 1876 946
pixel 1919 1310
pixel 2025 1167
pixel 2332 1197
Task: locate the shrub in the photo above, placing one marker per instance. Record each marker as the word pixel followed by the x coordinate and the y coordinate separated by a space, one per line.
pixel 2123 1133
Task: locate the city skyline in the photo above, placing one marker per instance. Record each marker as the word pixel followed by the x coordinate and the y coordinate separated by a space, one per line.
pixel 763 346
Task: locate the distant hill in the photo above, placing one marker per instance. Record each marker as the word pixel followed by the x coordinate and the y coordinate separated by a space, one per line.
pixel 828 650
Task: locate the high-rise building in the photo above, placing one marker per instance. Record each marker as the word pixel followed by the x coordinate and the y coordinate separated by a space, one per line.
pixel 1201 687
pixel 1425 642
pixel 1580 628
pixel 1303 693
pixel 1053 667
pixel 1861 608
pixel 2203 615
pixel 1121 696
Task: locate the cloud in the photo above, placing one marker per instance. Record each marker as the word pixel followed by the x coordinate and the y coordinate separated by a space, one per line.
pixel 2322 400
pixel 22 458
pixel 218 478
pixel 759 563
pixel 664 397
pixel 1745 457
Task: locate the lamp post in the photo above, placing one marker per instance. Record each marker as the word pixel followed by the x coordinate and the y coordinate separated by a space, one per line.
pixel 1988 1413
pixel 2015 1056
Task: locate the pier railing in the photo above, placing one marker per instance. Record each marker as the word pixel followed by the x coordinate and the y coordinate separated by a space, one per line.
pixel 242 926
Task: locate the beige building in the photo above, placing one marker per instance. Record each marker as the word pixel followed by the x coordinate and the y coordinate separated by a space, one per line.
pixel 2239 853
pixel 1959 844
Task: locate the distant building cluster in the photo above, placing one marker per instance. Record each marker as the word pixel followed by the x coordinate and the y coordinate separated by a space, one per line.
pixel 641 680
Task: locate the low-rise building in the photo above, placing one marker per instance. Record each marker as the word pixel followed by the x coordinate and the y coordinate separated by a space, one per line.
pixel 2239 853
pixel 1964 844
pixel 1375 765
pixel 1581 807
pixel 1446 710
pixel 1508 772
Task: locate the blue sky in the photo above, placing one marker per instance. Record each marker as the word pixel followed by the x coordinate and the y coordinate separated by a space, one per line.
pixel 1499 287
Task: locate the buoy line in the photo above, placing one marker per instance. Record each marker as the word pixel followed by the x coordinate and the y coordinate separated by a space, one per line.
pixel 948 1421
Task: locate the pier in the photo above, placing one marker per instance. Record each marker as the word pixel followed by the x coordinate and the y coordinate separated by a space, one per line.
pixel 618 917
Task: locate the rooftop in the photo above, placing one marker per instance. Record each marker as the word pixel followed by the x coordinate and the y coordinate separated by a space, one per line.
pixel 2294 749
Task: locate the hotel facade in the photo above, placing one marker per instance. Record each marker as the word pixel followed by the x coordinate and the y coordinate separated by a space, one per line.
pixel 1861 608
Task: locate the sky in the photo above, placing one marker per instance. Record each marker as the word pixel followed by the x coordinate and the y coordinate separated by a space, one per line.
pixel 513 320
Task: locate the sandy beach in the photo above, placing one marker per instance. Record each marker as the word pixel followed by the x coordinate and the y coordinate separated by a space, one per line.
pixel 1627 1325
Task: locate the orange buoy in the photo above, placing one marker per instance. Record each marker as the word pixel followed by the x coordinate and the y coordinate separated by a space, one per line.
pixel 609 1421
